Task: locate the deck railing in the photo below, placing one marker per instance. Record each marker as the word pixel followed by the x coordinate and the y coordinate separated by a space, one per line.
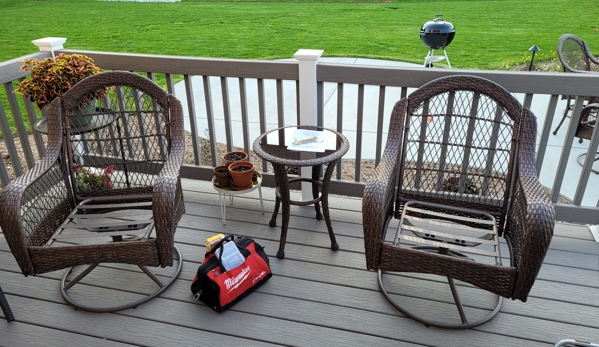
pixel 232 101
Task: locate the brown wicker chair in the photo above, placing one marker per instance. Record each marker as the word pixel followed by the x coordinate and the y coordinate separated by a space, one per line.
pixel 107 189
pixel 456 174
pixel 586 127
pixel 575 56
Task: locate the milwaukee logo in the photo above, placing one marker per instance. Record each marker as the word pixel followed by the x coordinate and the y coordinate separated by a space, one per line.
pixel 233 283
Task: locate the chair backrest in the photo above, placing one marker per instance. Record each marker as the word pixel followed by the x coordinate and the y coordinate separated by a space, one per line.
pixel 460 144
pixel 588 119
pixel 117 134
pixel 573 53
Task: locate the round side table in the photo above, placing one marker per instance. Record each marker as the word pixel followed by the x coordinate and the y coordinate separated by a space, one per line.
pixel 273 147
pixel 223 192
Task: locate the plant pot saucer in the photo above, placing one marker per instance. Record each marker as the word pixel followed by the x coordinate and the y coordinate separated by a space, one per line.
pixel 219 185
pixel 235 188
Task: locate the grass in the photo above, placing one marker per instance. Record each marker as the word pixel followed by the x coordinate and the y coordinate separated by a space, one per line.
pixel 489 34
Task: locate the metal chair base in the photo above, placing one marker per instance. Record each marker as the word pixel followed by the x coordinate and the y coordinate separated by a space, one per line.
pixel 5 308
pixel 574 343
pixel 64 287
pixel 466 324
pixel 581 159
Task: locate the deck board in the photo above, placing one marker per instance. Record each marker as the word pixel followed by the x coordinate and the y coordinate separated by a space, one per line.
pixel 316 297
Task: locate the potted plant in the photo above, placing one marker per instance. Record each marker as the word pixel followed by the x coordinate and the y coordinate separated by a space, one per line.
pixel 223 178
pixel 89 179
pixel 231 157
pixel 241 174
pixel 52 77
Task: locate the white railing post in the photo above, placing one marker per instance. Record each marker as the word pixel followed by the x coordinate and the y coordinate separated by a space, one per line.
pixel 50 44
pixel 307 61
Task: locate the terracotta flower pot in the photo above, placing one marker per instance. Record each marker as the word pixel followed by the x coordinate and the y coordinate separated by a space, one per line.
pixel 241 174
pixel 231 157
pixel 223 178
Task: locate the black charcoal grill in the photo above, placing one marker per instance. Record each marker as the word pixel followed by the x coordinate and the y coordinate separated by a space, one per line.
pixel 436 34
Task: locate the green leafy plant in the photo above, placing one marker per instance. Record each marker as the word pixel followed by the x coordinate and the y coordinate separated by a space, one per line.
pixel 52 77
pixel 89 181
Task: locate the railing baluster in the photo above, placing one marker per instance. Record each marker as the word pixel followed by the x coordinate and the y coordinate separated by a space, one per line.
pixel 280 106
pixel 563 161
pixel 244 115
pixel 587 167
pixel 209 119
pixel 170 83
pixel 379 125
pixel 10 147
pixel 197 155
pixel 19 124
pixel 545 134
pixel 339 122
pixel 157 120
pixel 319 103
pixel 226 112
pixel 262 115
pixel 527 100
pixel 359 127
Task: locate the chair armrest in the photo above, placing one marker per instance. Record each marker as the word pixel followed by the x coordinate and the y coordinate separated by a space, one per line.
pixel 34 204
pixel 591 58
pixel 168 205
pixel 531 220
pixel 379 191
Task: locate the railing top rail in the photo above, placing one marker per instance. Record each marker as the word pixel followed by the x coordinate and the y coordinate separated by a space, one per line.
pixel 286 70
pixel 10 69
pixel 414 77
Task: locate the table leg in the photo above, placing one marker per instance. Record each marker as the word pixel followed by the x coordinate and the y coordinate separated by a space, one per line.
pixel 273 219
pixel 222 200
pixel 315 178
pixel 325 204
pixel 283 187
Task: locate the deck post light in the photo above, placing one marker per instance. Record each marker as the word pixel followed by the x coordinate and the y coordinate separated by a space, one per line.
pixel 534 49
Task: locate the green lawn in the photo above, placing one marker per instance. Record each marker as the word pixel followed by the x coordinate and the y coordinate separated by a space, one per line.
pixel 489 34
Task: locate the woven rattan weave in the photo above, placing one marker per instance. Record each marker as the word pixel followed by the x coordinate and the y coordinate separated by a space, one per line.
pixel 108 188
pixel 459 154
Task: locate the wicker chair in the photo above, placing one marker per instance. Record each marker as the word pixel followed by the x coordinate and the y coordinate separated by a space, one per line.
pixel 586 127
pixel 106 191
pixel 457 173
pixel 575 56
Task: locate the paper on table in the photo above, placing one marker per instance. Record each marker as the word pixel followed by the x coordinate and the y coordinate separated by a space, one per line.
pixel 309 140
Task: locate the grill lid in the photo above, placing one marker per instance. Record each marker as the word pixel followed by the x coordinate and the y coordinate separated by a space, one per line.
pixel 437 26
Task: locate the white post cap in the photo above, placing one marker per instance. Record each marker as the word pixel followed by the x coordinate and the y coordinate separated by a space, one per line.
pixel 50 44
pixel 308 54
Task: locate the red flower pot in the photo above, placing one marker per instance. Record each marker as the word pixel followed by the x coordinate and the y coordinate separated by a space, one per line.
pixel 231 157
pixel 241 174
pixel 223 178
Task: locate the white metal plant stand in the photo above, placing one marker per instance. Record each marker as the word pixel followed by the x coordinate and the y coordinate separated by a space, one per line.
pixel 225 192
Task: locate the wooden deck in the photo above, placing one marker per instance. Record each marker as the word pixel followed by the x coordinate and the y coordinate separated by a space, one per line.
pixel 316 297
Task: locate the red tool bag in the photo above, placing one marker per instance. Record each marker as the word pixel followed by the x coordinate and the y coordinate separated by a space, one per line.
pixel 221 289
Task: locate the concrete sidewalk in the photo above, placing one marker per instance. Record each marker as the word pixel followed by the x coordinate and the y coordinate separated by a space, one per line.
pixel 371 96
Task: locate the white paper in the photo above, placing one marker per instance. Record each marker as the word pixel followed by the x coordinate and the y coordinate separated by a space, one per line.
pixel 308 140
